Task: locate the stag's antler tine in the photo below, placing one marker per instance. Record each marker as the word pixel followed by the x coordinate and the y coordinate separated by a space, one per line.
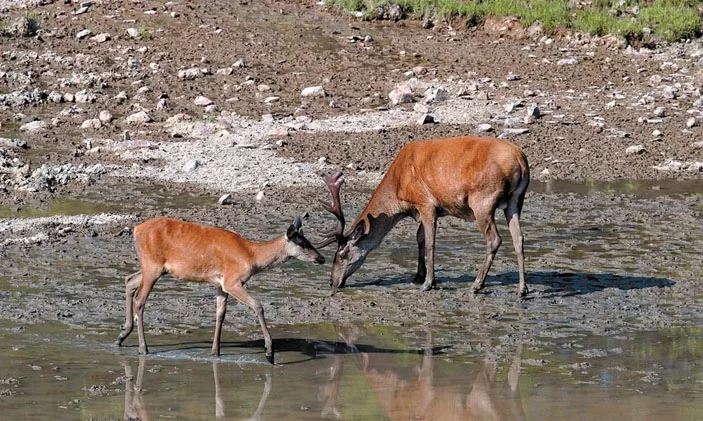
pixel 334 184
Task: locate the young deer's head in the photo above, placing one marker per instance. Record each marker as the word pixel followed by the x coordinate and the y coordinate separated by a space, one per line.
pixel 352 248
pixel 299 247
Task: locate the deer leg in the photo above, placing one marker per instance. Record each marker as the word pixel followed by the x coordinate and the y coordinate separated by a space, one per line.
pixel 421 268
pixel 429 224
pixel 240 293
pixel 512 215
pixel 131 285
pixel 487 225
pixel 149 278
pixel 219 318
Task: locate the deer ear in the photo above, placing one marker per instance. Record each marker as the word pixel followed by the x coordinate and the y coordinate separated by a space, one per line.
pixel 298 222
pixel 291 231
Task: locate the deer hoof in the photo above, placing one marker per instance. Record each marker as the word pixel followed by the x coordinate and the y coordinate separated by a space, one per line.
pixel 269 358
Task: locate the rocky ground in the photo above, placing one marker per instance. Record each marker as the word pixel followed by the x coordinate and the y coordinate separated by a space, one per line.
pixel 152 107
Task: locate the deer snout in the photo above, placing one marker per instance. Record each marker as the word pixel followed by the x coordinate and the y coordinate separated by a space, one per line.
pixel 319 259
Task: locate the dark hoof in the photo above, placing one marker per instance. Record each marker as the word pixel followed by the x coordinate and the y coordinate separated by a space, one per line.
pixel 269 358
pixel 418 280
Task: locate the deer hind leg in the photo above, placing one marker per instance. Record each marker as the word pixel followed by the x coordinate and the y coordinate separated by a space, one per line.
pixel 512 216
pixel 219 318
pixel 421 267
pixel 486 223
pixel 240 293
pixel 149 277
pixel 429 226
pixel 131 285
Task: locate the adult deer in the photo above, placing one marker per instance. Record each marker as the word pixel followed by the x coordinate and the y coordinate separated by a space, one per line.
pixel 193 252
pixel 466 177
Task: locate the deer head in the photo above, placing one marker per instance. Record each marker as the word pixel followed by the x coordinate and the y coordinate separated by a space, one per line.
pixel 300 247
pixel 351 251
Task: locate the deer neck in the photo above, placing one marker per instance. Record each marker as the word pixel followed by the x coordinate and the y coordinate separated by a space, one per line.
pixel 383 211
pixel 269 253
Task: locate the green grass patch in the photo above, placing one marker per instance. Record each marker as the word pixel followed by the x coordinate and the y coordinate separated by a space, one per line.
pixel 669 20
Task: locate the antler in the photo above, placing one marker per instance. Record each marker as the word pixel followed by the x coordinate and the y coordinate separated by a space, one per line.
pixel 334 183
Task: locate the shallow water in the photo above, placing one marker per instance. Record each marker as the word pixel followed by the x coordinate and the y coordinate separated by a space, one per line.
pixel 611 330
pixel 353 372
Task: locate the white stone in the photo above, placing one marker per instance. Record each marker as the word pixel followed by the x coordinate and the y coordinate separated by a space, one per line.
pixel 137 118
pixel 133 32
pixel 202 101
pixel 635 149
pixel 105 116
pixel 92 123
pixel 33 126
pixel 191 165
pixel 314 92
pixel 84 33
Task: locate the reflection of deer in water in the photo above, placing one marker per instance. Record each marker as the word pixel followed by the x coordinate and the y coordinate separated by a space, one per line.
pixel 220 403
pixel 421 398
pixel 133 402
pixel 134 408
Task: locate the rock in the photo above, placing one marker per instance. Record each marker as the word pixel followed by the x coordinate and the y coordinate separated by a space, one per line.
pixel 225 199
pixel 225 71
pixel 202 101
pixel 91 124
pixel 23 26
pixel 425 119
pixel 133 32
pixel 421 108
pixel 105 116
pixel 656 134
pixel 635 150
pixel 138 118
pixel 84 33
pixel 402 94
pixel 567 61
pixel 669 92
pixel 13 143
pixel 239 63
pixel 192 73
pixel 33 126
pixel 435 95
pixel 260 196
pixel 419 70
pixel 691 122
pixel 512 105
pixel 313 92
pixel 100 38
pixel 697 145
pixel 85 97
pixel 272 99
pixel 533 111
pixel 484 128
pixel 55 97
pixel 659 111
pixel 191 165
pixel 211 108
pixel 513 76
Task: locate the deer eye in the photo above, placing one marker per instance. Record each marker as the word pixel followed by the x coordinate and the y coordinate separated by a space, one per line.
pixel 343 254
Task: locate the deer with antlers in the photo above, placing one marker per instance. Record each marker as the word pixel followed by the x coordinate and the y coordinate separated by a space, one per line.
pixel 193 252
pixel 465 177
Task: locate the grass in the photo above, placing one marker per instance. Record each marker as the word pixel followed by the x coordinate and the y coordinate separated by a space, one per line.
pixel 668 20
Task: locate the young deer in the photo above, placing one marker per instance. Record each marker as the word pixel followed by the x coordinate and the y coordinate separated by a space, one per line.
pixel 194 252
pixel 466 177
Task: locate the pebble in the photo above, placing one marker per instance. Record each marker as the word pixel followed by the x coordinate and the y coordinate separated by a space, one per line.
pixel 314 92
pixel 202 101
pixel 635 150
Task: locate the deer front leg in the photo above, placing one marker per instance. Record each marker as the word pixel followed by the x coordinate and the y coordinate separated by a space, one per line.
pixel 240 293
pixel 131 285
pixel 421 268
pixel 429 225
pixel 219 318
